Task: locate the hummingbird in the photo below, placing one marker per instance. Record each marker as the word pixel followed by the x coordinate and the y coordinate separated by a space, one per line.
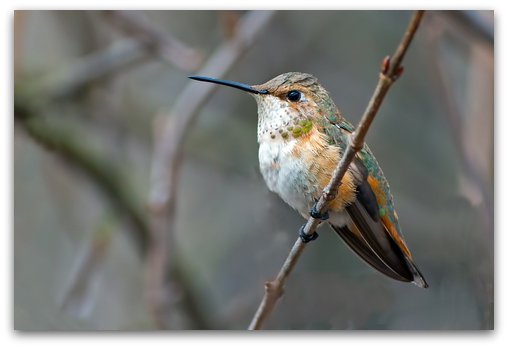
pixel 302 135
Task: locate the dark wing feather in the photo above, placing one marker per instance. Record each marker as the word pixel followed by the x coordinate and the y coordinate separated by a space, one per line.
pixel 365 195
pixel 372 242
pixel 359 246
pixel 379 241
pixel 365 215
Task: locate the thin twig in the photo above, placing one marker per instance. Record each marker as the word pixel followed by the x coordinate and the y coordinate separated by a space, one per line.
pixel 165 45
pixel 167 155
pixel 390 71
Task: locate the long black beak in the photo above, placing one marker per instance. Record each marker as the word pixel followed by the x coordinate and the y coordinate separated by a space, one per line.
pixel 238 85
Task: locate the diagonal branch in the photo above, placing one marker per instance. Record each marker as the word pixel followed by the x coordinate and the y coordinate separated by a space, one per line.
pixel 65 142
pixel 70 79
pixel 120 54
pixel 389 74
pixel 471 22
pixel 167 156
pixel 165 45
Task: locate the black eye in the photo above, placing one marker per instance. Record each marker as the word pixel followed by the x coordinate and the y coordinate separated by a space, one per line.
pixel 294 95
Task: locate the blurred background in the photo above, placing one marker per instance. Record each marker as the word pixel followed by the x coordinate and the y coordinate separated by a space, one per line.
pixel 138 202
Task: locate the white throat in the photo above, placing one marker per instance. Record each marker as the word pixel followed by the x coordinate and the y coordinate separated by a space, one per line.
pixel 274 118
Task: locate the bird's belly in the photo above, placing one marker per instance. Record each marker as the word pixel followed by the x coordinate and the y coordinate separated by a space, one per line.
pixel 287 175
pixel 291 178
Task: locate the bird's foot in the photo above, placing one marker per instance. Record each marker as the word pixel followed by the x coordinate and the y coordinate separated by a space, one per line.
pixel 317 215
pixel 306 237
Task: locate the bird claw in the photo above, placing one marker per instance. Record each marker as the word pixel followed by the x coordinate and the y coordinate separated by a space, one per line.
pixel 317 215
pixel 306 237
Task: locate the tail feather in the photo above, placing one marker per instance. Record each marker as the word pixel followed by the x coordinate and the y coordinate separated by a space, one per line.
pixel 361 248
pixel 418 280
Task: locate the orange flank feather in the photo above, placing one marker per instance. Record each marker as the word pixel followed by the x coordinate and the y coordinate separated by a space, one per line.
pixel 395 235
pixel 389 226
pixel 321 159
pixel 378 192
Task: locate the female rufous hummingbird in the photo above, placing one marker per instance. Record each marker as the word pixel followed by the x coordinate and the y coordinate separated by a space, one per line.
pixel 302 135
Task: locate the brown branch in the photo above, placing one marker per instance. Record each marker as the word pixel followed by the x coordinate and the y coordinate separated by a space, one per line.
pixel 168 153
pixel 165 45
pixel 19 32
pixel 390 71
pixel 228 20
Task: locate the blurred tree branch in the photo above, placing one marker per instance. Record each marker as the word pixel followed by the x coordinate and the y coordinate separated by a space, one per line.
pixel 228 21
pixel 169 138
pixel 391 69
pixel 120 54
pixel 33 96
pixel 19 19
pixel 162 43
pixel 77 295
pixel 471 23
pixel 66 143
pixel 464 121
pixel 453 116
pixel 71 79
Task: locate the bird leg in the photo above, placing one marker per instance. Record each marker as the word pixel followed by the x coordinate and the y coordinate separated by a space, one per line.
pixel 306 237
pixel 317 215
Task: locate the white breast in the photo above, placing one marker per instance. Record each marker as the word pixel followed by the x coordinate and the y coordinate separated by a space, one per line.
pixel 285 175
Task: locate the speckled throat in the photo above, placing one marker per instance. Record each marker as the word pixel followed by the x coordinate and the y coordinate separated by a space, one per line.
pixel 278 119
